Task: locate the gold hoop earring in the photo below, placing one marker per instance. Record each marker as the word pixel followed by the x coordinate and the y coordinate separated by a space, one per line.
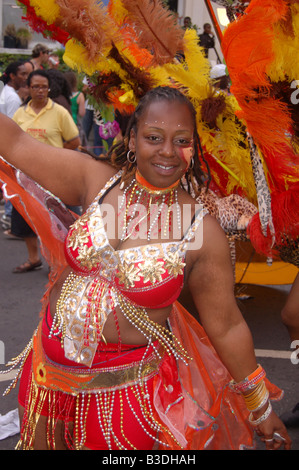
pixel 131 157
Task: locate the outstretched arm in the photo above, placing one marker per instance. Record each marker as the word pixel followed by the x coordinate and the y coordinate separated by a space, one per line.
pixel 71 176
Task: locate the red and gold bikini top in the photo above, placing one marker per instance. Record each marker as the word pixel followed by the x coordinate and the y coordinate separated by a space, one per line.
pixel 103 278
pixel 151 276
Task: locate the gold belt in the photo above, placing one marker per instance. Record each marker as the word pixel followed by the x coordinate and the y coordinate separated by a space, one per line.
pixel 73 380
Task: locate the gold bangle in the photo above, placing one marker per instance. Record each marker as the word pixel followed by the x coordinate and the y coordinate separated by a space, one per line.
pixel 258 398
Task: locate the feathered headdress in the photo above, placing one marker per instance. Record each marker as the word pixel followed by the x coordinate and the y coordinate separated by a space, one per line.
pixel 134 45
pixel 261 51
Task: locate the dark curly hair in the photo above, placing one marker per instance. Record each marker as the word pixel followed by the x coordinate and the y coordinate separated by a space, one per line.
pixel 117 154
pixel 13 68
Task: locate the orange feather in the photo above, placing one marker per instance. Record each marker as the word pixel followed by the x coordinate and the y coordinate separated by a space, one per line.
pixel 157 29
pixel 87 21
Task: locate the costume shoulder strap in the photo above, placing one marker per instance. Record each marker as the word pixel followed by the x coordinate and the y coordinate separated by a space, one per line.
pixel 194 232
pixel 109 184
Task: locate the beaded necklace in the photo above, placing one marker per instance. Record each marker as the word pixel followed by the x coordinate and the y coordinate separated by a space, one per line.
pixel 142 201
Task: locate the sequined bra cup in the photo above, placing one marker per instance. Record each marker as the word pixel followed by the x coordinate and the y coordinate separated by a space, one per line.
pixel 149 276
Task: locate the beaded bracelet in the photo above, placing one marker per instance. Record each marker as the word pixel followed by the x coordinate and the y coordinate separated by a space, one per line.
pixel 251 381
pixel 256 422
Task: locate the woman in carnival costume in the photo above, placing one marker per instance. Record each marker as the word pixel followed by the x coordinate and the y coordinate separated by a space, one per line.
pixel 116 362
pixel 114 350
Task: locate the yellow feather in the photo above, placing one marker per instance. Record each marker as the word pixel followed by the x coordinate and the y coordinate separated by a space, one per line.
pixel 48 10
pixel 76 57
pixel 183 78
pixel 286 48
pixel 194 73
pixel 160 76
pixel 224 144
pixel 117 11
pixel 194 56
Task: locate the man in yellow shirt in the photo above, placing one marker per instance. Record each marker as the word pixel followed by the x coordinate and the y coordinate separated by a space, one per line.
pixel 51 124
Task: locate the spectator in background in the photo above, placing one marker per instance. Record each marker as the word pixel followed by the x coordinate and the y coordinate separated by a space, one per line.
pixel 29 65
pixel 77 104
pixel 188 23
pixel 77 97
pixel 40 56
pixel 207 39
pixel 55 126
pixel 24 90
pixel 89 122
pixel 51 124
pixel 60 91
pixel 14 78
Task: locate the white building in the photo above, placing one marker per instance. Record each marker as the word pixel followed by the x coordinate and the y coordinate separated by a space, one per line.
pixel 199 14
pixel 11 14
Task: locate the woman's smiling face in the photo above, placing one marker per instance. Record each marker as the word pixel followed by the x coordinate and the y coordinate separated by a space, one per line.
pixel 164 142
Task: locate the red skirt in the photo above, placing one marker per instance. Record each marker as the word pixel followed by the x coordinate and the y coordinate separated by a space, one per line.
pixel 147 402
pixel 127 414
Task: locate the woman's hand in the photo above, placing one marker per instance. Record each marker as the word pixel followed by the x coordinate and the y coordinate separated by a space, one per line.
pixel 273 433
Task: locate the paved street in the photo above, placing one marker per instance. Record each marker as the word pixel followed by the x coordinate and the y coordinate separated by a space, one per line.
pixel 20 303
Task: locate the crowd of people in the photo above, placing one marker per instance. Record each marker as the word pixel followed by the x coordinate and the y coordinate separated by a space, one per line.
pixel 116 362
pixel 46 103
